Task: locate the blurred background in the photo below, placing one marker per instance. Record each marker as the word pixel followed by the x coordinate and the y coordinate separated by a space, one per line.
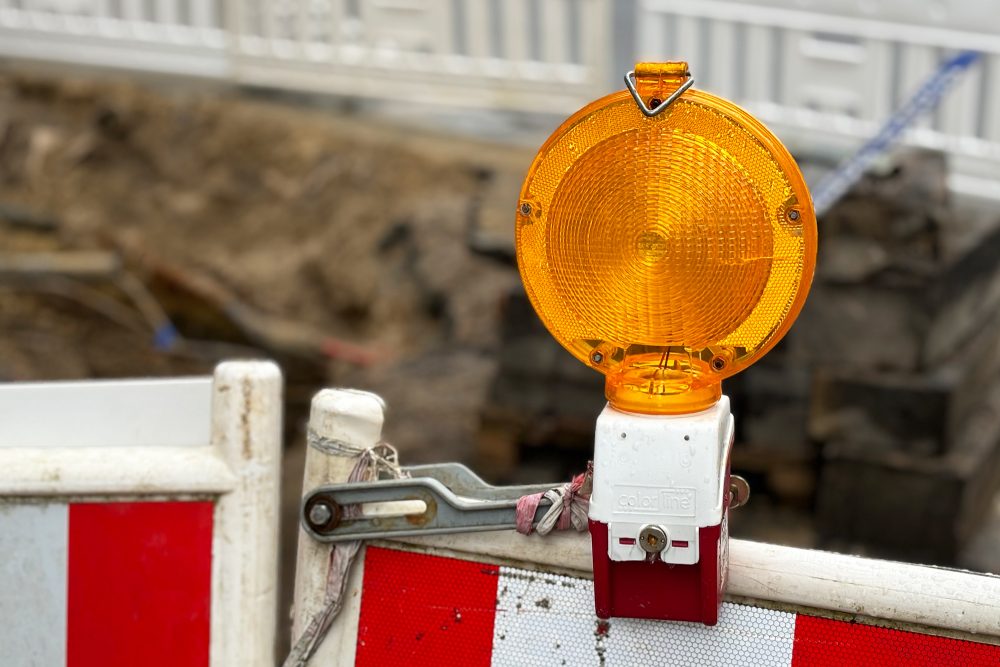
pixel 332 184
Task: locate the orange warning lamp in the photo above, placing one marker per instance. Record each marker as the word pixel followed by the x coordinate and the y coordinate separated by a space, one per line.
pixel 666 238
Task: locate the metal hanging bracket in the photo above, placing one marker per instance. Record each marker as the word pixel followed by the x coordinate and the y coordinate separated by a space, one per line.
pixel 631 84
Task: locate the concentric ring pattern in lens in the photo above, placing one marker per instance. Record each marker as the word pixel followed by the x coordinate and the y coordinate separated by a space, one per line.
pixel 672 231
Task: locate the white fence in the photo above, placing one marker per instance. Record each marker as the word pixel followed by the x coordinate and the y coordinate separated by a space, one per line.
pixel 828 72
pixel 822 73
pixel 513 54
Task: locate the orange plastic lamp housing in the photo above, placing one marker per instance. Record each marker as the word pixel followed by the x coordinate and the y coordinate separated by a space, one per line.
pixel 669 252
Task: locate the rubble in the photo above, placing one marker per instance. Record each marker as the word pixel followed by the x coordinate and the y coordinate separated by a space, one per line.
pixel 903 343
pixel 329 242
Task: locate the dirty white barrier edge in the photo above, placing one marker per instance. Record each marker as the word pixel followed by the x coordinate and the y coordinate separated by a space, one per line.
pixel 217 436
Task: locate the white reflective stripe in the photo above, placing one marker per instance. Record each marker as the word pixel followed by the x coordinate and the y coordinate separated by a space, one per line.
pixel 545 619
pixel 744 636
pixel 33 558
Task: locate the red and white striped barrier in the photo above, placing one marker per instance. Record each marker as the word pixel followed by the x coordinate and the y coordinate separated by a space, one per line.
pixel 419 609
pixel 138 521
pixel 106 583
pixel 495 598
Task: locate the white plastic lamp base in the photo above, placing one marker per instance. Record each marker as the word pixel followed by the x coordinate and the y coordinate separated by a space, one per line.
pixel 659 513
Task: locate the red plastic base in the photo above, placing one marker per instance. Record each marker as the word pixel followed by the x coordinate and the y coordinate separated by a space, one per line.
pixel 640 589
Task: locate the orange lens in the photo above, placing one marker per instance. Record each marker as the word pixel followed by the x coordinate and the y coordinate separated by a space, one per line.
pixel 669 252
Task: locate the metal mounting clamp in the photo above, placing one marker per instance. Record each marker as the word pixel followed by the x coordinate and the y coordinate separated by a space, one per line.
pixel 436 499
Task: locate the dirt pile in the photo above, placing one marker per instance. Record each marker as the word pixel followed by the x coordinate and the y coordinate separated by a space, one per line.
pixel 335 245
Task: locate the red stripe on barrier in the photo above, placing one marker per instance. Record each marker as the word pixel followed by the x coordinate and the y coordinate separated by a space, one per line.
pixel 821 642
pixel 425 610
pixel 140 581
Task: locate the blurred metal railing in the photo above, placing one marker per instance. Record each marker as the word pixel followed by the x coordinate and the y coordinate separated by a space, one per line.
pixel 829 72
pixel 512 54
pixel 171 36
pixel 822 73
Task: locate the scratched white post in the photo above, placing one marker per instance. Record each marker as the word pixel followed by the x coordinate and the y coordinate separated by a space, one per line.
pixel 355 419
pixel 246 435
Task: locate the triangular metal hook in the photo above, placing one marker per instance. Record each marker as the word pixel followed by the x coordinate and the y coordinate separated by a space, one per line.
pixel 649 113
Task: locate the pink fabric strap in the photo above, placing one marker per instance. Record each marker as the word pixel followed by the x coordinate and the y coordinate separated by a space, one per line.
pixel 570 503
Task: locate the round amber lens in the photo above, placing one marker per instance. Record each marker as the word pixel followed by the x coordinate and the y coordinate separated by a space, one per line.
pixel 670 251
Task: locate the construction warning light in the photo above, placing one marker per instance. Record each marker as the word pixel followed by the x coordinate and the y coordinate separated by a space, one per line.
pixel 666 238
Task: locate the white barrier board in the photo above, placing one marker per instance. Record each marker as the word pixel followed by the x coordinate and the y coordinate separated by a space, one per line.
pixel 138 520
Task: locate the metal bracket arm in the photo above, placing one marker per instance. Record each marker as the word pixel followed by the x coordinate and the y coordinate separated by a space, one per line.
pixel 445 498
